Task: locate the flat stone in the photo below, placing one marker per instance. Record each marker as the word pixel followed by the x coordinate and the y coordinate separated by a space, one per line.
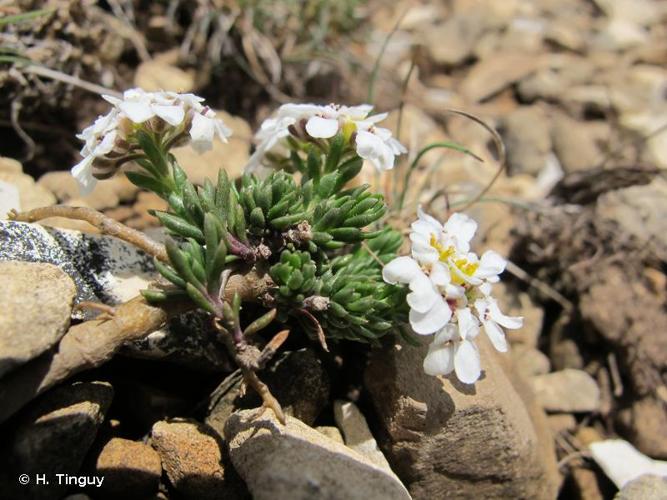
pixel 331 432
pixel 530 361
pixel 489 440
pixel 10 165
pixel 192 458
pixel 31 195
pixel 296 462
pixel 527 135
pixel 55 434
pixel 130 469
pixel 357 434
pixel 36 303
pixel 577 144
pixel 9 199
pixel 453 41
pixel 567 390
pixel 491 75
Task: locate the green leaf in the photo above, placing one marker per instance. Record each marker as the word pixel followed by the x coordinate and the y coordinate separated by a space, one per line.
pixel 153 152
pixel 146 182
pixel 169 273
pixel 178 226
pixel 199 298
pixel 335 152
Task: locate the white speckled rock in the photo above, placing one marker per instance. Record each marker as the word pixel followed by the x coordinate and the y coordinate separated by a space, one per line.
pixel 106 269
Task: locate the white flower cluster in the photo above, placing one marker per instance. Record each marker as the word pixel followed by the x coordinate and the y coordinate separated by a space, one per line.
pixel 372 143
pixel 450 294
pixel 166 113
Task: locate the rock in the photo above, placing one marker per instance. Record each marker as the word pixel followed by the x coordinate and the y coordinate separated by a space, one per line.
pixel 55 433
pixel 9 199
pixel 107 193
pixel 638 211
pixel 231 156
pixel 561 422
pixel 530 361
pixel 621 34
pixel 31 195
pixel 489 440
pixel 642 422
pixel 453 41
pixel 331 432
pixel 357 434
pixel 622 463
pixel 36 303
pixel 130 469
pixel 577 144
pixel 192 458
pixel 559 71
pixel 646 487
pixel 296 379
pixel 10 165
pixel 111 271
pixel 296 462
pixel 567 391
pixel 161 73
pixel 527 137
pixel 490 76
pixel 517 303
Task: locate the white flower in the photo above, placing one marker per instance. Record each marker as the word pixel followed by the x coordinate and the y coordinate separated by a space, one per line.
pixel 180 117
pixel 450 294
pixel 312 122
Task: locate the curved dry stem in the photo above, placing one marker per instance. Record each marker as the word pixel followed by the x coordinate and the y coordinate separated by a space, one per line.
pixel 105 224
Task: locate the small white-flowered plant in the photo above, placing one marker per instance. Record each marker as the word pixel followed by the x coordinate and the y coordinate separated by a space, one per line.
pixel 311 122
pixel 175 118
pixel 450 294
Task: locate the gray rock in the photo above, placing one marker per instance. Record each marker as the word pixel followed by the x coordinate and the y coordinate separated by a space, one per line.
pixel 192 457
pixel 567 390
pixel 528 138
pixel 130 469
pixel 36 305
pixel 55 434
pixel 357 434
pixel 646 487
pixel 447 440
pixel 639 211
pixel 296 462
pixel 108 270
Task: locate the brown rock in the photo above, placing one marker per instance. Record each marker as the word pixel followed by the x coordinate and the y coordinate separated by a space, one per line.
pixel 453 41
pixel 529 361
pixel 296 462
pixel 31 195
pixel 577 144
pixel 192 458
pixel 36 303
pixel 527 136
pixel 494 74
pixel 10 165
pixel 55 434
pixel 643 421
pixel 561 422
pixel 646 487
pixel 486 440
pixel 567 391
pixel 129 468
pixel 161 73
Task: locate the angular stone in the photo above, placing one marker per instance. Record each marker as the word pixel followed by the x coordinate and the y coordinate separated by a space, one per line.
pixel 449 440
pixel 130 469
pixel 357 434
pixel 31 195
pixel 296 462
pixel 55 433
pixel 528 138
pixel 567 390
pixel 453 41
pixel 36 301
pixel 529 361
pixel 577 143
pixel 192 457
pixel 490 76
pixel 9 199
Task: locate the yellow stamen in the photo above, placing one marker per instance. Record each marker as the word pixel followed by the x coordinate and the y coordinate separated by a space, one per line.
pixel 444 253
pixel 348 129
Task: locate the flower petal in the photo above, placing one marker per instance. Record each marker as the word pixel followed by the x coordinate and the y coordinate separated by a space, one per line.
pixel 201 132
pixel 511 322
pixel 138 112
pixel 439 360
pixel 468 325
pixel 467 362
pixel 440 274
pixel 496 335
pixel 401 270
pixel 173 115
pixel 490 265
pixel 83 173
pixel 423 294
pixel 322 128
pixel 432 320
pixel 462 228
